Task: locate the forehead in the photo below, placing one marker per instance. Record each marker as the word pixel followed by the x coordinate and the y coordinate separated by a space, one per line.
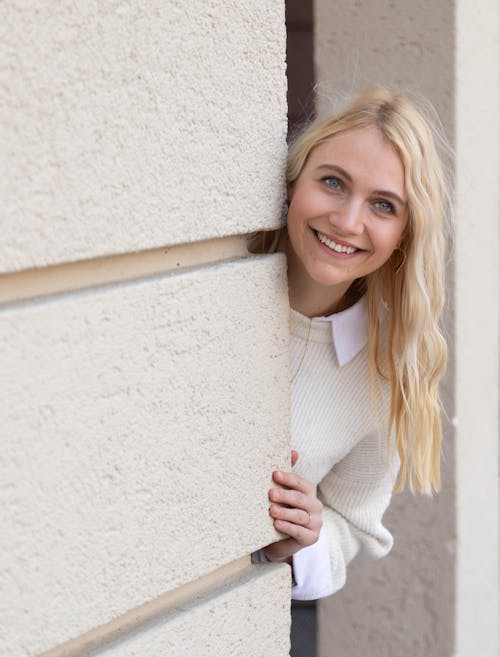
pixel 366 155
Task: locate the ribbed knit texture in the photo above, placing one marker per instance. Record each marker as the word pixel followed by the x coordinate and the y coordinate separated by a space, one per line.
pixel 341 441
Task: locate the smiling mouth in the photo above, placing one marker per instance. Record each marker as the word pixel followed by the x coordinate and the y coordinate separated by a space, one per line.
pixel 335 246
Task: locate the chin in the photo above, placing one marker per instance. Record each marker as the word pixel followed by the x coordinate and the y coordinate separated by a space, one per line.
pixel 329 279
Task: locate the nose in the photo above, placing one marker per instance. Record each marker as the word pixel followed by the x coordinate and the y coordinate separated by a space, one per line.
pixel 348 218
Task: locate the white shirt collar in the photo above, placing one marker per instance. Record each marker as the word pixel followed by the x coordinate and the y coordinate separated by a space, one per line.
pixel 349 330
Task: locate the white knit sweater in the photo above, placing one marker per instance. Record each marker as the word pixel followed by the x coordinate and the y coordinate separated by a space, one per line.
pixel 340 434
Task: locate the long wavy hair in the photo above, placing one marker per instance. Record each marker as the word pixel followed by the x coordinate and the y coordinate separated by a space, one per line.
pixel 410 283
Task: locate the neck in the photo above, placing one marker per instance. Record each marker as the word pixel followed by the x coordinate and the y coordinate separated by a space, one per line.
pixel 311 303
pixel 312 299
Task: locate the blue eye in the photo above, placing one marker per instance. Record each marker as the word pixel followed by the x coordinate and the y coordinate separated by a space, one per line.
pixel 385 207
pixel 332 182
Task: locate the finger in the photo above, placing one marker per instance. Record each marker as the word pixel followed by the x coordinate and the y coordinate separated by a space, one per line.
pixel 297 516
pixel 302 535
pixel 295 499
pixel 295 457
pixel 292 480
pixel 290 497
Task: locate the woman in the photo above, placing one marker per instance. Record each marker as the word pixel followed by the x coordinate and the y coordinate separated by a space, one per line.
pixel 365 243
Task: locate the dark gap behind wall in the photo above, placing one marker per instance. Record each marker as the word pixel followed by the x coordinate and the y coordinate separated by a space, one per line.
pixel 300 62
pixel 300 74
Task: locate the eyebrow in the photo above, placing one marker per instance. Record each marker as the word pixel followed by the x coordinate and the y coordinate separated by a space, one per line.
pixel 348 177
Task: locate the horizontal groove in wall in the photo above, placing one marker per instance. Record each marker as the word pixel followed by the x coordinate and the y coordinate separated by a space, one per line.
pixel 147 615
pixel 37 282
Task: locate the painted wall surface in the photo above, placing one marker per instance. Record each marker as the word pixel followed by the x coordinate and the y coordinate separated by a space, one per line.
pixel 359 44
pixel 130 125
pixel 145 403
pixel 410 602
pixel 477 327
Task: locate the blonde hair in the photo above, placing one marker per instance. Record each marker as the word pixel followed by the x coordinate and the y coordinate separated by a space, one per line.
pixel 410 283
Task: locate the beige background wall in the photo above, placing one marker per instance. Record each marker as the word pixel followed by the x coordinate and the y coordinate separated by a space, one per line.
pixel 437 593
pixel 137 441
pixel 477 326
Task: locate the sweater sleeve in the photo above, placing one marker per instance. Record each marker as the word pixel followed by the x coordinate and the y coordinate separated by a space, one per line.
pixel 355 494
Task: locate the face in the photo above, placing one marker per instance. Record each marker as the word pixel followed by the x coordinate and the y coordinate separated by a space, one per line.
pixel 347 212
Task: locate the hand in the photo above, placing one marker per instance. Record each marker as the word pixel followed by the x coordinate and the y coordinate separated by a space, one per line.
pixel 296 511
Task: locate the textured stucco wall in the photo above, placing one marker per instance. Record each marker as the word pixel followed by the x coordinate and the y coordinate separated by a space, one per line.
pixel 129 125
pixel 221 621
pixel 135 469
pixel 407 603
pixel 144 408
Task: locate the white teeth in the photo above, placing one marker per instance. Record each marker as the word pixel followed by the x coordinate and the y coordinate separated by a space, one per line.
pixel 339 248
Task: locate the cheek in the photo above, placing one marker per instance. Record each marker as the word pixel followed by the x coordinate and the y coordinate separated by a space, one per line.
pixel 296 217
pixel 298 220
pixel 391 239
pixel 307 203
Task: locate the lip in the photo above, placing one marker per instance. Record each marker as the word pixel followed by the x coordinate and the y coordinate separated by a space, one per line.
pixel 337 240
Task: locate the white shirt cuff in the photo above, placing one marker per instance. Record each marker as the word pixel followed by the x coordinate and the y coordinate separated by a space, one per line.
pixel 312 571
